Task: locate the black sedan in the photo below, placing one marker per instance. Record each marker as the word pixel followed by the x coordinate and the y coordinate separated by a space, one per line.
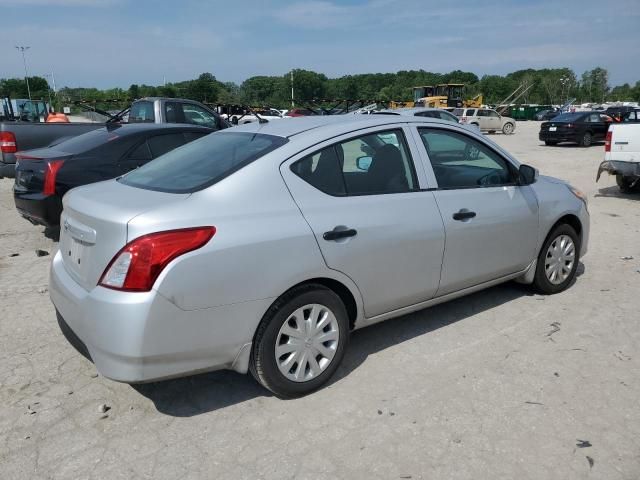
pixel 582 128
pixel 44 175
pixel 547 114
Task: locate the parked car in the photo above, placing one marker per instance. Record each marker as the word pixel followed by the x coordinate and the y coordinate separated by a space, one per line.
pixel 261 247
pixel 632 116
pixel 486 119
pixel 44 175
pixel 300 112
pixel 421 112
pixel 622 156
pixel 21 136
pixel 582 128
pixel 547 114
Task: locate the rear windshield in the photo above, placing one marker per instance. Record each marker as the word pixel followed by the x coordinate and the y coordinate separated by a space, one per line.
pixel 87 141
pixel 142 112
pixel 568 117
pixel 203 162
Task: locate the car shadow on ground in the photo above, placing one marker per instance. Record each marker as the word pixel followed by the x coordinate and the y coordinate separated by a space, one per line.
pixel 614 192
pixel 198 394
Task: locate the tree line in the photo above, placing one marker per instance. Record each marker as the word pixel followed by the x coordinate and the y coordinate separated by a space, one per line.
pixel 549 86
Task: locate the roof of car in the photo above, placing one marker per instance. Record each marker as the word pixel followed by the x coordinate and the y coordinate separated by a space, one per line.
pixel 408 110
pixel 296 125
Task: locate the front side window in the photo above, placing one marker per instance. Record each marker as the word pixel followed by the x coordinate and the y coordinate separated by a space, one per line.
pixel 460 161
pixel 491 113
pixel 199 116
pixel 377 163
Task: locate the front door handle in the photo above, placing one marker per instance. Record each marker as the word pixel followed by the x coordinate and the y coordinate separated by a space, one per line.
pixel 464 214
pixel 338 234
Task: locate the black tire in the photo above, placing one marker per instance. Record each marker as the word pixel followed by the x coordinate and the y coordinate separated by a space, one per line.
pixel 263 364
pixel 586 140
pixel 550 142
pixel 541 283
pixel 508 128
pixel 625 184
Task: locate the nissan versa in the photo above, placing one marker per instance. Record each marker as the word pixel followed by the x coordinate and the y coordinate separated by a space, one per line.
pixel 261 247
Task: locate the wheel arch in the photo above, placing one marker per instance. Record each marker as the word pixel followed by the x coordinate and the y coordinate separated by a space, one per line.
pixel 570 219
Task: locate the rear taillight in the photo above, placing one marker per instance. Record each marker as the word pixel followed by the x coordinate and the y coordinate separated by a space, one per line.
pixel 50 173
pixel 570 125
pixel 607 141
pixel 8 142
pixel 136 267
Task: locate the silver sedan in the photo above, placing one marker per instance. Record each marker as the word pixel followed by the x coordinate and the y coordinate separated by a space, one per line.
pixel 260 248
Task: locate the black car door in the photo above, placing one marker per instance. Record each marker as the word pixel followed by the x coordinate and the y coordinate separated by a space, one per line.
pixel 597 125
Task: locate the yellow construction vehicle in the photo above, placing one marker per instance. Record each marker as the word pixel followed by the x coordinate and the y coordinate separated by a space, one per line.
pixel 445 95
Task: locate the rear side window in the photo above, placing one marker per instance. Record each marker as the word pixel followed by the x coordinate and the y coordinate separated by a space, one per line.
pixel 471 112
pixel 203 162
pixel 142 112
pixel 373 164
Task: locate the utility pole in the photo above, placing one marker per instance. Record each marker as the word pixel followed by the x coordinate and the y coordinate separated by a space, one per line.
pixel 26 74
pixel 292 102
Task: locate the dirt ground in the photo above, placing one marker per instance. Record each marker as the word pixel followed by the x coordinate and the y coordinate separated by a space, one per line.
pixel 502 384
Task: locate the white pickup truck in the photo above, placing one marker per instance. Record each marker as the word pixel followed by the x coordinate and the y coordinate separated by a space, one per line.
pixel 622 155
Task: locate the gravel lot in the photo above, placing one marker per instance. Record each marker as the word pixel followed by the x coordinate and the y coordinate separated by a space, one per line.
pixel 502 384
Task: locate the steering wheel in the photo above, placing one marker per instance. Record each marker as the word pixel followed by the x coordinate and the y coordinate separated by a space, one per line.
pixel 491 178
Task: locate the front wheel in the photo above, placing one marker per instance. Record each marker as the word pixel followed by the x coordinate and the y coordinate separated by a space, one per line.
pixel 557 260
pixel 586 140
pixel 508 128
pixel 300 342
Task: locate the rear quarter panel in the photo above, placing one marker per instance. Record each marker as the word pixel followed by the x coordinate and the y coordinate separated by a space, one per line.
pixel 625 143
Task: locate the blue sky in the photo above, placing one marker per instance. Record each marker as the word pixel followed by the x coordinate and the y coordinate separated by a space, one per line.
pixel 108 43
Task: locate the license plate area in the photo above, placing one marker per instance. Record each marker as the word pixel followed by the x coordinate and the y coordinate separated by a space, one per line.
pixel 75 252
pixel 553 129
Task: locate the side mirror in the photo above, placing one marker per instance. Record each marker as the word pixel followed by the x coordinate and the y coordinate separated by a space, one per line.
pixel 363 163
pixel 527 175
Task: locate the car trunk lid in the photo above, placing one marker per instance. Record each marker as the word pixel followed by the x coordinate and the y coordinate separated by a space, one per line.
pixel 93 225
pixel 32 166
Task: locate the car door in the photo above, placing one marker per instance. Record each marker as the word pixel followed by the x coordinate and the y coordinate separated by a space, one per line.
pixel 493 120
pixel 136 157
pixel 361 196
pixel 491 223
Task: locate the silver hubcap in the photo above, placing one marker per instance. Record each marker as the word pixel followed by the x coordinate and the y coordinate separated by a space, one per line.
pixel 508 128
pixel 307 342
pixel 560 258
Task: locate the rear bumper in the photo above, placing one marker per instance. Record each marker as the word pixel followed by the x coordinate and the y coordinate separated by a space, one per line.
pixel 614 167
pixel 558 137
pixel 142 336
pixel 38 208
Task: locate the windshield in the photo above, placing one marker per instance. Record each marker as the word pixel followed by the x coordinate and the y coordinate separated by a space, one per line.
pixel 568 117
pixel 202 163
pixel 87 141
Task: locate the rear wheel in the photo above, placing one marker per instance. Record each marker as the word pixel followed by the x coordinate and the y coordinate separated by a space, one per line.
pixel 508 128
pixel 300 342
pixel 586 139
pixel 557 260
pixel 626 184
pixel 550 142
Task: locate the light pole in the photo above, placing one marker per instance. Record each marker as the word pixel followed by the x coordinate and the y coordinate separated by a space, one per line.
pixel 26 74
pixel 563 82
pixel 292 102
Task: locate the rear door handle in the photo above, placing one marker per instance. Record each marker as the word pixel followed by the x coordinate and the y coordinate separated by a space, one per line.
pixel 464 214
pixel 338 234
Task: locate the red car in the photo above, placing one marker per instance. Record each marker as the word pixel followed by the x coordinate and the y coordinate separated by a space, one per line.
pixel 300 112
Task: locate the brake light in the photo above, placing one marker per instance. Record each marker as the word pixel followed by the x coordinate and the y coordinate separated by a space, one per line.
pixel 50 173
pixel 8 142
pixel 607 141
pixel 570 125
pixel 136 267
